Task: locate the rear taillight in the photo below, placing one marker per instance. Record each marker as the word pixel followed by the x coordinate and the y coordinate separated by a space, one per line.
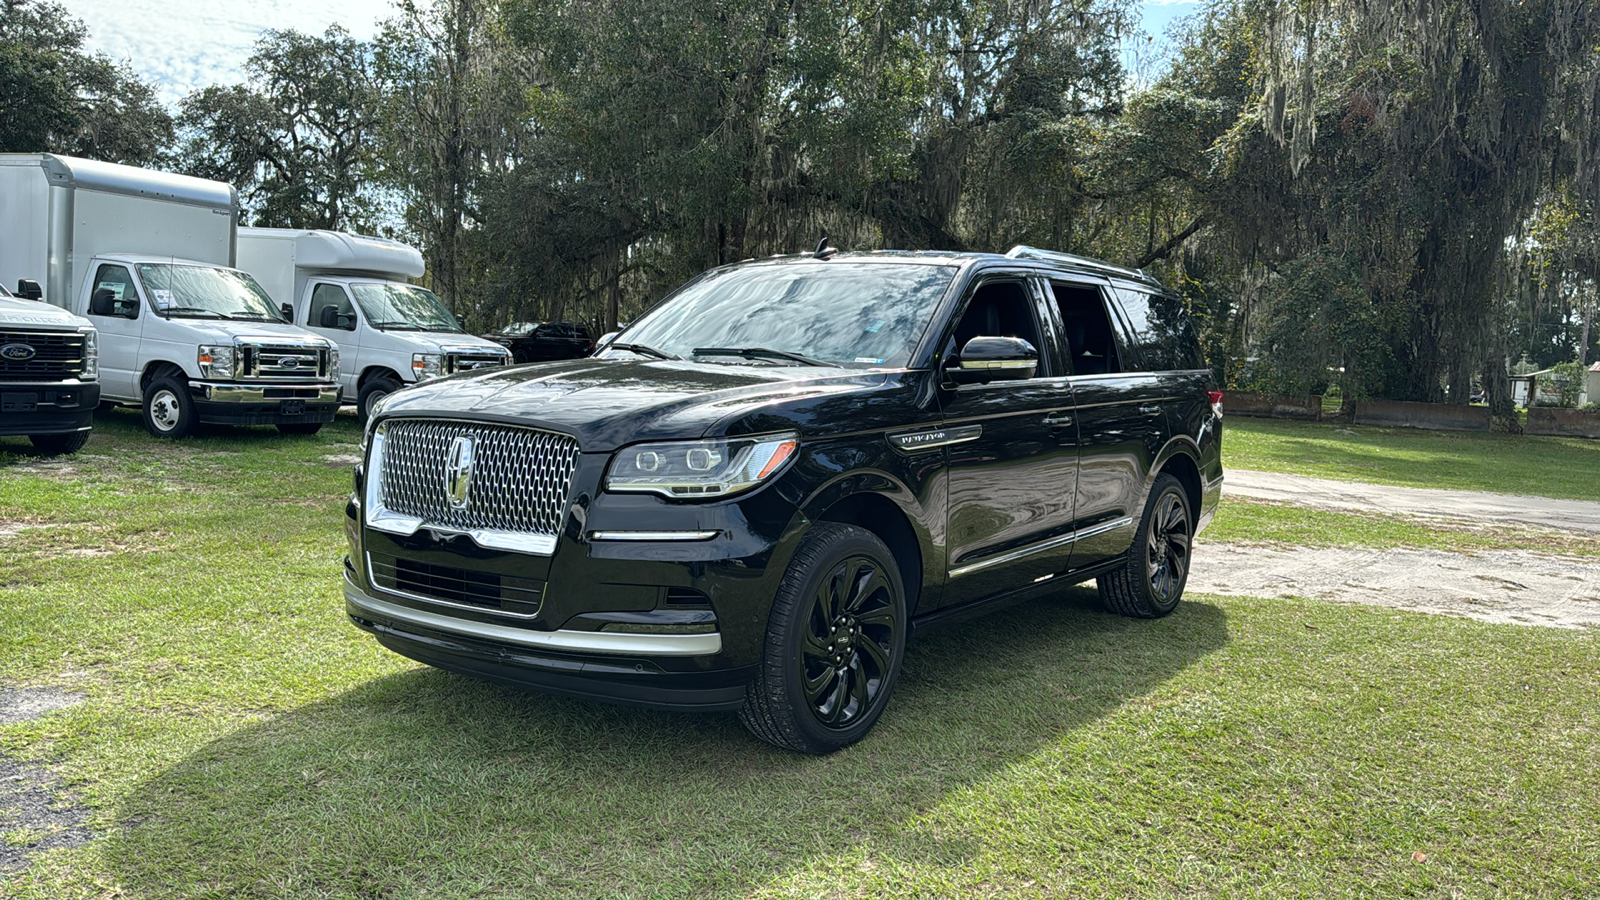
pixel 1216 402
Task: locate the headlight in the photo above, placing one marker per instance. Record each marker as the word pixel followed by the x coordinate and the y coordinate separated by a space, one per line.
pixel 690 469
pixel 333 362
pixel 426 365
pixel 215 360
pixel 91 356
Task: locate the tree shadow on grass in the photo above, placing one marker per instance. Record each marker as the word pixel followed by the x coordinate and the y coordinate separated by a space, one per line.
pixel 431 784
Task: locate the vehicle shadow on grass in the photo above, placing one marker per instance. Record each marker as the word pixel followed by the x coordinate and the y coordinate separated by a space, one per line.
pixel 427 783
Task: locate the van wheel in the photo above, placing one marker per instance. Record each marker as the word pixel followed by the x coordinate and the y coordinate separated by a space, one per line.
pixel 1150 581
pixel 371 393
pixel 59 444
pixel 834 643
pixel 168 408
pixel 300 427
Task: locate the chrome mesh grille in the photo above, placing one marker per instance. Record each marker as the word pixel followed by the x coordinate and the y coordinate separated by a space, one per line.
pixel 520 476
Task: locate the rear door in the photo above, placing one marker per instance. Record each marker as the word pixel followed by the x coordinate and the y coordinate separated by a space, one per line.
pixel 1012 452
pixel 1122 423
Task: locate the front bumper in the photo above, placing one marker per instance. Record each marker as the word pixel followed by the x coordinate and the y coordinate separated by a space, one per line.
pixel 221 403
pixel 48 408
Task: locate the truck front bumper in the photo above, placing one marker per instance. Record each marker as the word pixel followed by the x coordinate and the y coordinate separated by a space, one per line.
pixel 49 408
pixel 265 404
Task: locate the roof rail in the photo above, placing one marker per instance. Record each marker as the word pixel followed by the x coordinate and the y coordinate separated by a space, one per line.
pixel 1023 251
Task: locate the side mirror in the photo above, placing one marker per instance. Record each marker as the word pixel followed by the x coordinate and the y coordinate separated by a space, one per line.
pixel 102 303
pixel 329 317
pixel 288 313
pixel 986 359
pixel 28 289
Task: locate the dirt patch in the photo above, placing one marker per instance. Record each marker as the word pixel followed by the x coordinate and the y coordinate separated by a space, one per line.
pixel 340 460
pixel 1513 587
pixel 35 815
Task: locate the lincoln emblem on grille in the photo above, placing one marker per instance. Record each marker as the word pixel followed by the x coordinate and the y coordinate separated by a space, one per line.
pixel 458 472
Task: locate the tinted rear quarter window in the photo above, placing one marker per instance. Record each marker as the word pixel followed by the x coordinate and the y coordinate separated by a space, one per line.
pixel 1164 338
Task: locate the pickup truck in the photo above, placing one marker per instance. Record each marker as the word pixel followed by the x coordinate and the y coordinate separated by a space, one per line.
pixel 49 373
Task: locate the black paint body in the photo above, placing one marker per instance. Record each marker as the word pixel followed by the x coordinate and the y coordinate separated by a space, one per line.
pixel 1047 490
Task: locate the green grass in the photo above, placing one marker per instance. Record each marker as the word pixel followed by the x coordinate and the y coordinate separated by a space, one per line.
pixel 241 739
pixel 1246 521
pixel 1513 464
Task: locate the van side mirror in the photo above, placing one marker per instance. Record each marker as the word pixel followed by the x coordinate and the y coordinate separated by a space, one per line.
pixel 288 313
pixel 28 289
pixel 102 303
pixel 986 359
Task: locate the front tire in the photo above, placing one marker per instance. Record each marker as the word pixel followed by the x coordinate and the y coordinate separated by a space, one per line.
pixel 60 444
pixel 371 393
pixel 834 643
pixel 168 408
pixel 1150 581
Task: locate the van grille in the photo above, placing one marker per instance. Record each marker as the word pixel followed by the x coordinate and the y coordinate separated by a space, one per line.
pixel 58 355
pixel 519 478
pixel 286 361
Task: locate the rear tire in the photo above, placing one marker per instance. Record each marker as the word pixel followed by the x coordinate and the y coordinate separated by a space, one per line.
pixel 371 393
pixel 60 444
pixel 301 428
pixel 1150 581
pixel 835 639
pixel 168 408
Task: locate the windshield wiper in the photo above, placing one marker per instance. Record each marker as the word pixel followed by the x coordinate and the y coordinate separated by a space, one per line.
pixel 760 353
pixel 397 326
pixel 194 312
pixel 642 350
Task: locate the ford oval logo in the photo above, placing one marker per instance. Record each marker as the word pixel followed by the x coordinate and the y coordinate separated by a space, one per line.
pixel 17 352
pixel 289 363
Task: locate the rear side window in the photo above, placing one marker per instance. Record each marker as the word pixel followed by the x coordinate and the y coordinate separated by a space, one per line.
pixel 1087 328
pixel 1163 336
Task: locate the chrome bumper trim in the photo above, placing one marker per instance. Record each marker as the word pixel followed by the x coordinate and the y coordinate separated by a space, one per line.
pixel 652 535
pixel 569 641
pixel 1042 546
pixel 383 520
pixel 238 393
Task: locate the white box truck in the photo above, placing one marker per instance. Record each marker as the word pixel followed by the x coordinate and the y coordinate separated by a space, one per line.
pixel 148 258
pixel 49 373
pixel 352 290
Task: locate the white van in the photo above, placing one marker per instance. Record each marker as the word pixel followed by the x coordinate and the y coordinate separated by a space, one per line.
pixel 147 258
pixel 352 290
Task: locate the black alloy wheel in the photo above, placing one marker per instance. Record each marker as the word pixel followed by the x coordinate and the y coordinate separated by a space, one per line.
pixel 834 643
pixel 1150 581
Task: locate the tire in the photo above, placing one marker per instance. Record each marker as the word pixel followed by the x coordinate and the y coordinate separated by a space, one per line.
pixel 835 639
pixel 1150 581
pixel 168 408
pixel 371 393
pixel 302 428
pixel 60 444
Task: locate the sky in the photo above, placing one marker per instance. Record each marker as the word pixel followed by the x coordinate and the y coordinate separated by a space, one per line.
pixel 182 45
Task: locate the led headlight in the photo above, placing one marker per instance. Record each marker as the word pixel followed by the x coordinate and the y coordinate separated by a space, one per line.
pixel 426 365
pixel 91 356
pixel 215 360
pixel 691 469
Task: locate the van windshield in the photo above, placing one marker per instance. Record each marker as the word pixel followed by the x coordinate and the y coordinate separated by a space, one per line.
pixel 404 307
pixel 840 312
pixel 205 292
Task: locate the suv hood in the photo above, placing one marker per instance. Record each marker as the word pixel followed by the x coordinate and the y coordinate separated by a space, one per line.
pixel 609 403
pixel 35 314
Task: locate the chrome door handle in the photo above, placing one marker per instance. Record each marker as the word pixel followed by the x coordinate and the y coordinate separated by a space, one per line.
pixel 1060 420
pixel 1150 410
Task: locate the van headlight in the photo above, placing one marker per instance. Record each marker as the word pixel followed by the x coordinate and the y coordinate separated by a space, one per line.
pixel 333 362
pixel 91 356
pixel 215 360
pixel 426 365
pixel 693 469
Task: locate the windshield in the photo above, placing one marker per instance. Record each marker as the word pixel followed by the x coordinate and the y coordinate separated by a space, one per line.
pixel 206 292
pixel 519 329
pixel 401 307
pixel 842 313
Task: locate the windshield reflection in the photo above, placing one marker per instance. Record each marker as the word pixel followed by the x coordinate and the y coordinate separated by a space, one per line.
pixel 401 307
pixel 206 292
pixel 840 312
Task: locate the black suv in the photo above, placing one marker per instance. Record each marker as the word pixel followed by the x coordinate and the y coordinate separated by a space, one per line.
pixel 538 342
pixel 765 485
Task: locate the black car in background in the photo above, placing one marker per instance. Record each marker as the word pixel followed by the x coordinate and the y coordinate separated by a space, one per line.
pixel 755 494
pixel 542 341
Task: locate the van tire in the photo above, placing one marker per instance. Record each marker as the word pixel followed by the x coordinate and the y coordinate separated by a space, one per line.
pixel 372 392
pixel 168 408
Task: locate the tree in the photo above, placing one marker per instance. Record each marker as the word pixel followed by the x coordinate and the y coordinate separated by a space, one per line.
pixel 297 138
pixel 55 96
